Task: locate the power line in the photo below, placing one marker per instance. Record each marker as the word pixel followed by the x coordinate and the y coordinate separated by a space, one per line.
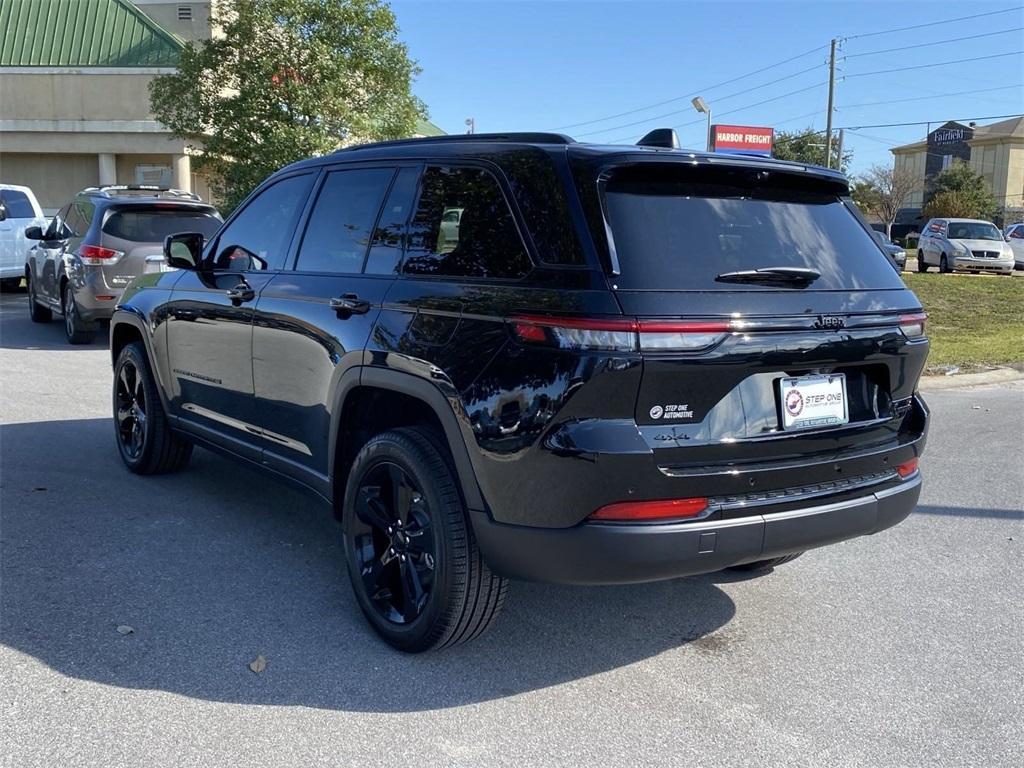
pixel 937 42
pixel 718 99
pixel 931 24
pixel 929 122
pixel 936 64
pixel 929 98
pixel 689 95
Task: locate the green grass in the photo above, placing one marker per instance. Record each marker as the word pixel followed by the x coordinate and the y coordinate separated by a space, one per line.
pixel 974 321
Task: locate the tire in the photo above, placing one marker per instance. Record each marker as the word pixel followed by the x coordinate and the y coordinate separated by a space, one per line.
pixel 921 266
pixel 764 565
pixel 415 567
pixel 944 264
pixel 144 438
pixel 37 312
pixel 76 329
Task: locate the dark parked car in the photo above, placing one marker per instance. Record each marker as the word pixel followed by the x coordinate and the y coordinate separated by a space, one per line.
pixel 625 364
pixel 897 253
pixel 98 243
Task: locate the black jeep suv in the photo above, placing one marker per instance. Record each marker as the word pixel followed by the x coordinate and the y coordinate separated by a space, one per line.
pixel 516 356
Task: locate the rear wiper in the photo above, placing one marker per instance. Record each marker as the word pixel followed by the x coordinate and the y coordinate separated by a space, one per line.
pixel 787 275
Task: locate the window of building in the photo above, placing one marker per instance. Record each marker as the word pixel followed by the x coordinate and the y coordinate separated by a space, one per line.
pixel 258 237
pixel 184 13
pixel 463 227
pixel 339 229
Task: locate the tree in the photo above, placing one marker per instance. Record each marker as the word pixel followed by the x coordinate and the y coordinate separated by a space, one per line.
pixel 287 79
pixel 883 192
pixel 808 146
pixel 960 191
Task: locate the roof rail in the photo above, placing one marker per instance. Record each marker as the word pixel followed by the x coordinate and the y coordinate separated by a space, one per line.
pixel 155 190
pixel 525 137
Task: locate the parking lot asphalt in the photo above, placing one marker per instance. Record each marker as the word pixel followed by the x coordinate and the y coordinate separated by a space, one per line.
pixel 901 649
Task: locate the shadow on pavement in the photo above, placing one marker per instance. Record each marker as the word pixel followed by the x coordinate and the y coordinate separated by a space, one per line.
pixel 17 331
pixel 218 564
pixel 1002 514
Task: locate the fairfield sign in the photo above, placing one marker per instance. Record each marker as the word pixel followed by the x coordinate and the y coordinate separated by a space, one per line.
pixel 742 139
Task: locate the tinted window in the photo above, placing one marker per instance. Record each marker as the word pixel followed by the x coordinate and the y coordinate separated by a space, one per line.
pixel 152 226
pixel 680 228
pixel 17 204
pixel 339 228
pixel 1017 233
pixel 79 218
pixel 971 230
pixel 463 227
pixel 264 227
pixel 57 229
pixel 388 238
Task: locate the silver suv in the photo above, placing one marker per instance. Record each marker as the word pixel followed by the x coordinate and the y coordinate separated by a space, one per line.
pixel 968 244
pixel 100 242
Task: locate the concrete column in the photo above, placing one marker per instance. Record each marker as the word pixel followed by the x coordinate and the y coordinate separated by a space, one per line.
pixel 181 172
pixel 108 168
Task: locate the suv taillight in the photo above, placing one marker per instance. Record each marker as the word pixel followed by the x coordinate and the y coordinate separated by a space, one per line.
pixel 96 256
pixel 913 325
pixel 619 334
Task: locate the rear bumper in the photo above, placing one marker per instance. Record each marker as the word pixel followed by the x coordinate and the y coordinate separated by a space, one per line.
pixel 593 553
pixel 88 284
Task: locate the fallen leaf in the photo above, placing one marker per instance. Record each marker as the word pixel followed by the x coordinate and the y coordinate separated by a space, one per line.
pixel 258 664
pixel 124 629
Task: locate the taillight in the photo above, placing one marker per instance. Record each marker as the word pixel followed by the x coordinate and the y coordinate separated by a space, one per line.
pixel 619 334
pixel 95 256
pixel 913 325
pixel 907 468
pixel 640 511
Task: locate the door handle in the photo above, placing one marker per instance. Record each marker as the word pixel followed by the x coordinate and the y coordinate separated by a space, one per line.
pixel 350 304
pixel 241 292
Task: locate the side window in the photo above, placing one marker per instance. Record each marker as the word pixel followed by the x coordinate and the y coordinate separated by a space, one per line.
pixel 388 238
pixel 341 224
pixel 1017 233
pixel 463 228
pixel 57 230
pixel 258 237
pixel 79 218
pixel 17 204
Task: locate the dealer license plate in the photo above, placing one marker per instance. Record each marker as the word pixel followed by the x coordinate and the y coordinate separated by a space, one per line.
pixel 808 402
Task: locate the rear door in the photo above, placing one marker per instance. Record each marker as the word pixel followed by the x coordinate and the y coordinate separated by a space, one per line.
pixel 210 312
pixel 722 345
pixel 313 322
pixel 137 231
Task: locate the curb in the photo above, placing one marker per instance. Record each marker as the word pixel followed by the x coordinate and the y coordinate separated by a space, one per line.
pixel 998 376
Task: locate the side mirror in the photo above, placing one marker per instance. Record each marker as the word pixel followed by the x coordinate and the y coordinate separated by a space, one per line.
pixel 34 233
pixel 184 251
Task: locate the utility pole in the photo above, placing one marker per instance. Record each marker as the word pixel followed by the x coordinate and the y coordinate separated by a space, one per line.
pixel 471 125
pixel 831 95
pixel 839 154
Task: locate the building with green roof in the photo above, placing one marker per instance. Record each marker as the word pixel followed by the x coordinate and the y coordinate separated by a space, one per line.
pixel 74 94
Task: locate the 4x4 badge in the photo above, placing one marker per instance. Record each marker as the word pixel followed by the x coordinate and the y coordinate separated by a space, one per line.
pixel 830 322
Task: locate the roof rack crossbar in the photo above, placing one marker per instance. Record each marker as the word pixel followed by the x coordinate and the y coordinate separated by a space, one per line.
pixel 521 137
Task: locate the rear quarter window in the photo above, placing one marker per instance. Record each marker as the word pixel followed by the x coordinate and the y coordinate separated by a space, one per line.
pixel 680 228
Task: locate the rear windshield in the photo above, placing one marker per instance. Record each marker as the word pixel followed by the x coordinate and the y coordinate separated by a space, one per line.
pixel 152 226
pixel 973 230
pixel 680 228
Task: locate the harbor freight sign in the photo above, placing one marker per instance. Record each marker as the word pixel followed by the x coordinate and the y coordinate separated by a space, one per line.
pixel 742 139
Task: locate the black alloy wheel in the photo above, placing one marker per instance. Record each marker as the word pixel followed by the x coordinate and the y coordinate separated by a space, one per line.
pixel 413 561
pixel 145 441
pixel 130 410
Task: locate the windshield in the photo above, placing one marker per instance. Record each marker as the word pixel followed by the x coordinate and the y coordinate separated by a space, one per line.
pixel 152 226
pixel 682 229
pixel 973 230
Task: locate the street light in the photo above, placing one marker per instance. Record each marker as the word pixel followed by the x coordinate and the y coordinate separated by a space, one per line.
pixel 702 106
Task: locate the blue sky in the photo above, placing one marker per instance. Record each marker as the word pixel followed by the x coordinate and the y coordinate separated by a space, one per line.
pixel 546 65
